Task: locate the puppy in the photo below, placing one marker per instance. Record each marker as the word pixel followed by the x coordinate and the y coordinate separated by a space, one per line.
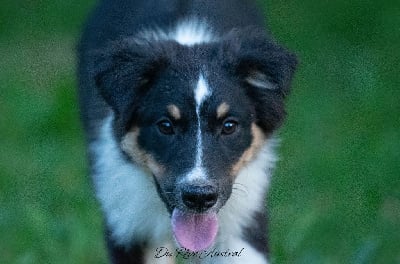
pixel 180 101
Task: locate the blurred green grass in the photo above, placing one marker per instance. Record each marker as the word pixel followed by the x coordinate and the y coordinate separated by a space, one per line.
pixel 335 197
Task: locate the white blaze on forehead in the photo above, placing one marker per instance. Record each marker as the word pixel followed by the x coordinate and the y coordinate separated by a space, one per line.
pixel 201 93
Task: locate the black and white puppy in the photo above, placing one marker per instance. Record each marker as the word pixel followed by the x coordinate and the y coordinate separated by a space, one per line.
pixel 180 100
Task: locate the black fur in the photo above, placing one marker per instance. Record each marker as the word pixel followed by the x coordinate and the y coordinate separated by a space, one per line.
pixel 117 19
pixel 256 232
pixel 125 255
pixel 250 49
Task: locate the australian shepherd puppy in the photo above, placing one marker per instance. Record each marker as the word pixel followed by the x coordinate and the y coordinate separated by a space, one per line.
pixel 180 100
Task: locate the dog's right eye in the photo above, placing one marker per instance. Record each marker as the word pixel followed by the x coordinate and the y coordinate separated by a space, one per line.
pixel 165 127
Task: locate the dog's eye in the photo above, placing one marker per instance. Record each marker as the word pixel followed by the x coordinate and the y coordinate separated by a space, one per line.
pixel 165 127
pixel 229 127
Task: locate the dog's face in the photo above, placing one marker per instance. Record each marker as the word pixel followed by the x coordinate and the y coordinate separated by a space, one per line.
pixel 194 116
pixel 193 138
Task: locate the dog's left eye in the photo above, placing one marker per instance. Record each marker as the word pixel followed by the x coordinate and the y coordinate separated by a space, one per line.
pixel 166 127
pixel 229 127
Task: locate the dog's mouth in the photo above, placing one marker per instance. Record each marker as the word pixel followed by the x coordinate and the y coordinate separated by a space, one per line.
pixel 194 231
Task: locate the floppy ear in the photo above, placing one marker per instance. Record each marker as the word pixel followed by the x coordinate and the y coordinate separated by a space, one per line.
pixel 264 68
pixel 125 71
pixel 259 61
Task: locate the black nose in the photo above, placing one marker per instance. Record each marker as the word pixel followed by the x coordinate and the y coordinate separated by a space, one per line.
pixel 199 198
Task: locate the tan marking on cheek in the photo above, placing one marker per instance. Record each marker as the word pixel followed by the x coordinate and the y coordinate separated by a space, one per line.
pixel 222 110
pixel 248 154
pixel 130 146
pixel 174 111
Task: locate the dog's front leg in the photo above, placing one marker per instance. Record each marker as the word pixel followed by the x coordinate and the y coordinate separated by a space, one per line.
pixel 160 255
pixel 121 255
pixel 139 254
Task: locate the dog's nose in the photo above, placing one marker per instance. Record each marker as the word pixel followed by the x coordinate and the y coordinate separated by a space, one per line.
pixel 199 198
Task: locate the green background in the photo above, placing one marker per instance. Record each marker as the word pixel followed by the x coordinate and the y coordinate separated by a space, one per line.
pixel 335 197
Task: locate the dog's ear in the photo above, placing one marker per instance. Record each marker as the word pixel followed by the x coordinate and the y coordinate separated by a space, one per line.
pixel 125 70
pixel 264 69
pixel 258 60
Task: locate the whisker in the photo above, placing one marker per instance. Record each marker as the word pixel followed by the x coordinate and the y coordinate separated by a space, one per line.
pixel 239 189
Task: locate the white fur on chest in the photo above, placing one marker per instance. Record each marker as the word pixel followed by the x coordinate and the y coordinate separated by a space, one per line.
pixel 127 194
pixel 252 183
pixel 188 32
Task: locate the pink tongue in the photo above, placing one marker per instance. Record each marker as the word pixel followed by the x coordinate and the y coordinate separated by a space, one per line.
pixel 194 231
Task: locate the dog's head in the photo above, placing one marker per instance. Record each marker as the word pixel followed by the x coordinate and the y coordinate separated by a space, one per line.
pixel 194 116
